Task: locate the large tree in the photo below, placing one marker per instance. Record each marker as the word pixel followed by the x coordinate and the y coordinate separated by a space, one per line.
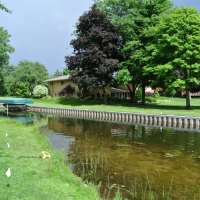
pixel 27 74
pixel 133 18
pixel 174 54
pixel 2 85
pixel 5 47
pixel 5 50
pixel 95 51
pixel 5 71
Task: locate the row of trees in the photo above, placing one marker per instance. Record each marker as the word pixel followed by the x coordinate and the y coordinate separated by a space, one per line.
pixel 21 80
pixel 137 42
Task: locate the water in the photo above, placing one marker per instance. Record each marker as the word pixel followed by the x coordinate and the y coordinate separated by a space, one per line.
pixel 144 162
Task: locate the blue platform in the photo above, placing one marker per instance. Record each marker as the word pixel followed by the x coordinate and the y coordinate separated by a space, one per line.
pixel 16 104
pixel 22 101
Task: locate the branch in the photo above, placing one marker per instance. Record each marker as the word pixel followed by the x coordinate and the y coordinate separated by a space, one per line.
pixel 2 7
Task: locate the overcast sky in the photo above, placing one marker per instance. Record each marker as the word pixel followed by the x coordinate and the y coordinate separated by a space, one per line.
pixel 41 29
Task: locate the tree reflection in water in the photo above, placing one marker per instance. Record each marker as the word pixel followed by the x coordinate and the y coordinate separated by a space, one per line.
pixel 137 159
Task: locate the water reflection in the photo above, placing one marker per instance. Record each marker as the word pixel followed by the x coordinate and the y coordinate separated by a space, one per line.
pixel 132 156
pixel 144 162
pixel 23 117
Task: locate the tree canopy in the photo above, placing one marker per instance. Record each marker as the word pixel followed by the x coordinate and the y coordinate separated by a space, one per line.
pixel 174 54
pixel 57 73
pixel 5 47
pixel 5 50
pixel 132 19
pixel 27 75
pixel 95 51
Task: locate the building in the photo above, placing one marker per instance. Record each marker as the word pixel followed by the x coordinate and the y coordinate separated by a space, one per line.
pixel 58 84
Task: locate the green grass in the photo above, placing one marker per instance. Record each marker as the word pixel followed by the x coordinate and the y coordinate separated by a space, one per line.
pixel 168 106
pixel 32 177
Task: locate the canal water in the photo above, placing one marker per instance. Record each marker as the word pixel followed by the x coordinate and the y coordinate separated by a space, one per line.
pixel 142 162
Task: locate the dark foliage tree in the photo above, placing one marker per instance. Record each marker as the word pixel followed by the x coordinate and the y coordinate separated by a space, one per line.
pixel 95 52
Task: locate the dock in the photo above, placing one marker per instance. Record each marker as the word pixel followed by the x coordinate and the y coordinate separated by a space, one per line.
pixel 15 104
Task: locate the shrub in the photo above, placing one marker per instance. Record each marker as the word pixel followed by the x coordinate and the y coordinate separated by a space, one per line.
pixel 109 98
pixel 46 97
pixel 157 95
pixel 97 98
pixel 151 99
pixel 88 98
pixel 19 90
pixel 138 95
pixel 78 93
pixel 149 94
pixel 40 91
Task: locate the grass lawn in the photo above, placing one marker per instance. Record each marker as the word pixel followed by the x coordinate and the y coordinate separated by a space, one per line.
pixel 168 106
pixel 32 177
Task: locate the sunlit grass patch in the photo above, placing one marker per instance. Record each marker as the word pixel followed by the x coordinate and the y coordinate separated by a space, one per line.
pixel 31 176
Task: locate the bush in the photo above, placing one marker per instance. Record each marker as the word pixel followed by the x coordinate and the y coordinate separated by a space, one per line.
pixel 97 98
pixel 19 90
pixel 88 98
pixel 151 99
pixel 138 95
pixel 78 93
pixel 157 95
pixel 40 91
pixel 67 90
pixel 109 98
pixel 149 94
pixel 46 97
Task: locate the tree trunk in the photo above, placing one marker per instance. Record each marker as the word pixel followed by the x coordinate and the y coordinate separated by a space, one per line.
pixel 187 98
pixel 105 95
pixel 143 92
pixel 133 131
pixel 132 92
pixel 31 90
pixel 143 132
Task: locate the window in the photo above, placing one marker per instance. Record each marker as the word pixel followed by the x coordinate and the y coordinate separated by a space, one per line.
pixel 62 82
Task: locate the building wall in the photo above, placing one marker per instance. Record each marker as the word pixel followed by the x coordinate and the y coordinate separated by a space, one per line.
pixel 97 91
pixel 56 86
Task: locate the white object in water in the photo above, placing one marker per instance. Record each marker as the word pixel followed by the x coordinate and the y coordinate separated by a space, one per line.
pixel 8 173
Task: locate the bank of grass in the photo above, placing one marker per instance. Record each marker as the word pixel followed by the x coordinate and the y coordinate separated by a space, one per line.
pixel 166 106
pixel 32 177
